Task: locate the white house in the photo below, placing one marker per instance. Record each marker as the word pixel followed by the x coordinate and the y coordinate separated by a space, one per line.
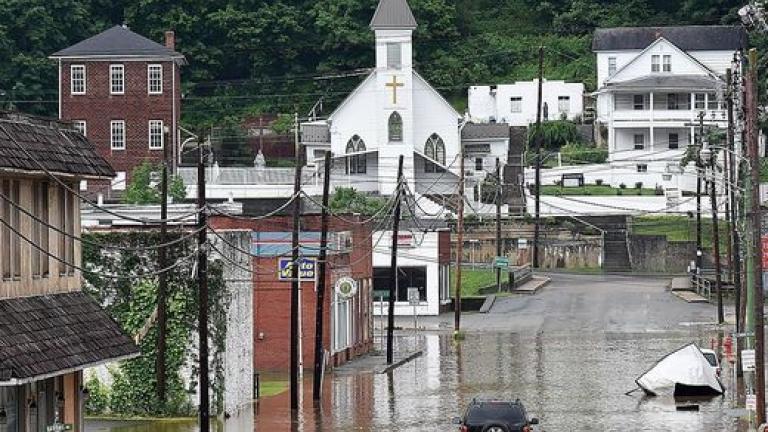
pixel 516 103
pixel 423 262
pixel 653 82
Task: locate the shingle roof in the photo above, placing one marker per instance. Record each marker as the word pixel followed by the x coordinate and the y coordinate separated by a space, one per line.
pixel 43 335
pixel 393 14
pixel 485 130
pixel 315 133
pixel 687 38
pixel 118 42
pixel 25 146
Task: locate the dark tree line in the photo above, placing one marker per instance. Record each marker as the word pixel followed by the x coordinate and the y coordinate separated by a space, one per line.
pixel 252 56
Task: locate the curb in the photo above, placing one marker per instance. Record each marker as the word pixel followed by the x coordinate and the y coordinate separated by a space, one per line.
pixel 539 284
pixel 397 364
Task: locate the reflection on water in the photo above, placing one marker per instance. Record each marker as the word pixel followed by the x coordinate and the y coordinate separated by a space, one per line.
pixel 571 383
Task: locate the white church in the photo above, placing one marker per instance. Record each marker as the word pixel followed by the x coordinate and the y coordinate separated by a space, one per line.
pixel 394 112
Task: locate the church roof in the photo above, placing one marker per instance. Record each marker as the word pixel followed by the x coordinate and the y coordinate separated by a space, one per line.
pixel 393 14
pixel 118 41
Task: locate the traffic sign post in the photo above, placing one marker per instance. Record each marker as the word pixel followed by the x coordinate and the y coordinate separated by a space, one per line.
pixel 501 262
pixel 414 300
pixel 748 360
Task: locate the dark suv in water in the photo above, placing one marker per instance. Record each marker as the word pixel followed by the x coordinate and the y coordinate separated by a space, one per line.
pixel 492 415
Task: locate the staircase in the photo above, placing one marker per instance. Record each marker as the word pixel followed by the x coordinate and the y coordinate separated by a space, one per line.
pixel 615 248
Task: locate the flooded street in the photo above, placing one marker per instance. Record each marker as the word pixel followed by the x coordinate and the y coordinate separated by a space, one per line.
pixel 569 353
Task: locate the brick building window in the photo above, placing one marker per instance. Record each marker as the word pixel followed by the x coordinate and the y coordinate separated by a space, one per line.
pixel 117 79
pixel 155 79
pixel 155 134
pixel 77 79
pixel 81 127
pixel 117 134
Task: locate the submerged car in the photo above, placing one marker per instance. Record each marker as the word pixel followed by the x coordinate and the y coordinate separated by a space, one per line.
pixel 494 415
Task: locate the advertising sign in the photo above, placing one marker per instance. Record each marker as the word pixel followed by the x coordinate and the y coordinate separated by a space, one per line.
pixel 307 268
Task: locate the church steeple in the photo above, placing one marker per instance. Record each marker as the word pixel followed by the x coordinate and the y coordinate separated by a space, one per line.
pixel 393 15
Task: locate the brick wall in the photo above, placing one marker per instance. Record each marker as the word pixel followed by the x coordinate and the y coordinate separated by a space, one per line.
pixel 136 107
pixel 272 297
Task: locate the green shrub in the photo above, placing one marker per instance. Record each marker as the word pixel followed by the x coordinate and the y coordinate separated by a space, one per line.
pixel 554 134
pixel 98 397
pixel 574 154
pixel 599 182
pixel 622 186
pixel 639 185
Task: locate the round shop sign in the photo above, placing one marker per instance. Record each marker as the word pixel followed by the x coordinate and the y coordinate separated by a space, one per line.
pixel 346 287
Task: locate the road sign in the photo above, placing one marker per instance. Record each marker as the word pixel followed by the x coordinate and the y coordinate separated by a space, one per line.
pixel 59 427
pixel 501 262
pixel 522 243
pixel 751 402
pixel 413 296
pixel 748 359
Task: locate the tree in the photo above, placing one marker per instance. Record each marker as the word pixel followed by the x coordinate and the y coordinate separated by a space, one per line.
pixel 144 187
pixel 349 200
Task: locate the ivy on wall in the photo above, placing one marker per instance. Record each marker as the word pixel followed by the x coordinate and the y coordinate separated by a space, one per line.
pixel 131 302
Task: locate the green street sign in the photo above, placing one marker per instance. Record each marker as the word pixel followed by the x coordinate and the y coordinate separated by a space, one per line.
pixel 501 262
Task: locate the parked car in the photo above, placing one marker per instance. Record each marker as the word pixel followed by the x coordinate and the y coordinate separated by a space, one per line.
pixel 711 357
pixel 494 415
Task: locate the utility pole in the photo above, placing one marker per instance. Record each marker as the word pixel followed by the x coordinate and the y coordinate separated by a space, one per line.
pixel 498 223
pixel 734 231
pixel 699 168
pixel 537 137
pixel 716 238
pixel 162 284
pixel 459 246
pixel 323 258
pixel 393 263
pixel 755 215
pixel 295 273
pixel 202 293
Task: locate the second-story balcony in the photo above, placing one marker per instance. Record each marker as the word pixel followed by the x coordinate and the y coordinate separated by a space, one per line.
pixel 668 99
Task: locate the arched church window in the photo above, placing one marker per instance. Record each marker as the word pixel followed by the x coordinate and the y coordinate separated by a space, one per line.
pixel 435 150
pixel 356 164
pixel 429 152
pixel 395 127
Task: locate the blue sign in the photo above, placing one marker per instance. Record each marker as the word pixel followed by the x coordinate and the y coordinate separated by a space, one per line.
pixel 307 268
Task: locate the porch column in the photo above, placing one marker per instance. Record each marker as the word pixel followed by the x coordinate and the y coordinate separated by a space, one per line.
pixel 652 135
pixel 611 141
pixel 650 106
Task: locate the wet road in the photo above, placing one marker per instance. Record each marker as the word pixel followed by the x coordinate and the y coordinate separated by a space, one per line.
pixel 569 353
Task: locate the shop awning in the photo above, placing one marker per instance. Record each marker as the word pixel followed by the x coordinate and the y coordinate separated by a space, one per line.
pixel 45 336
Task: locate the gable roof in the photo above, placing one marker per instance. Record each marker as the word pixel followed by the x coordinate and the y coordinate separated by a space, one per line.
pixel 48 335
pixel 118 41
pixel 31 147
pixel 687 38
pixel 392 15
pixel 647 49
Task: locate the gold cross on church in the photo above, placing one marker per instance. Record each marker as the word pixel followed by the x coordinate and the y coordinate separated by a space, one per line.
pixel 394 85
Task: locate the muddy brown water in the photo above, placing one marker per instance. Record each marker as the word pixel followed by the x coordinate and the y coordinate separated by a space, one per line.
pixel 571 382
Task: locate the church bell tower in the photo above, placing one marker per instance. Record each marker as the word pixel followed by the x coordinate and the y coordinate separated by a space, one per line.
pixel 393 24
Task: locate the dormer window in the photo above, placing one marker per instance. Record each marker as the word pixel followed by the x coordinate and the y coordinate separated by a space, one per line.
pixel 394 55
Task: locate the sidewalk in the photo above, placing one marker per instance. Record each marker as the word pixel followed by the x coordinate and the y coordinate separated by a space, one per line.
pixel 406 348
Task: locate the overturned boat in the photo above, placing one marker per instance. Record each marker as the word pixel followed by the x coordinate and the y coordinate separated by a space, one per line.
pixel 685 372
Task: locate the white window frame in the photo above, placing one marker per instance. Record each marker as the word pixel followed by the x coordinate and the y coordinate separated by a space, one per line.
pixel 700 101
pixel 72 68
pixel 637 144
pixel 81 126
pixel 564 104
pixel 156 67
pixel 611 66
pixel 655 63
pixel 112 125
pixel 635 105
pixel 516 104
pixel 117 79
pixel 152 127
pixel 666 63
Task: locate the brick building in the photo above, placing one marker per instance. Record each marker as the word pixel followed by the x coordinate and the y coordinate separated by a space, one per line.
pixel 122 91
pixel 348 319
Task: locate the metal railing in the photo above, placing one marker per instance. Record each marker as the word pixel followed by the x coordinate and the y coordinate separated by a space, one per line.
pixel 702 286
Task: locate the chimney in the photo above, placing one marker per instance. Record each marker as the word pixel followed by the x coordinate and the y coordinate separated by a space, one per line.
pixel 170 40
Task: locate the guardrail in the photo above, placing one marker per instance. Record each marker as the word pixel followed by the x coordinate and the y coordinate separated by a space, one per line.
pixel 702 286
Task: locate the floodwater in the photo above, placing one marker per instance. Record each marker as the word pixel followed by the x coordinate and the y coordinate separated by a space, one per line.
pixel 571 382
